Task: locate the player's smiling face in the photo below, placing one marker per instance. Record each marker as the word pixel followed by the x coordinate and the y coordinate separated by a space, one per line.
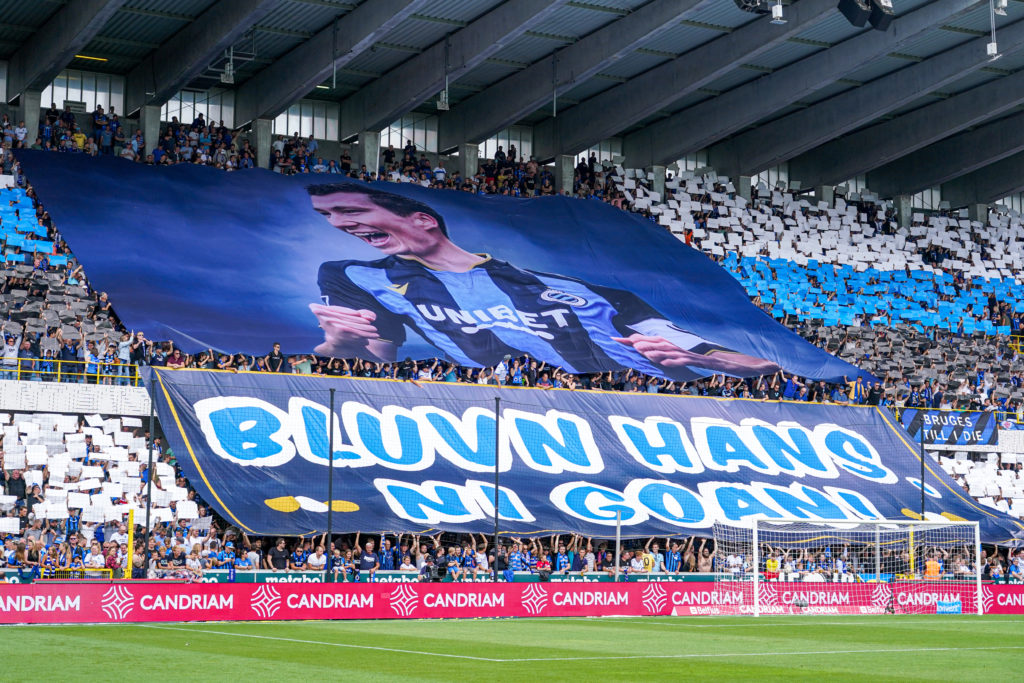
pixel 358 215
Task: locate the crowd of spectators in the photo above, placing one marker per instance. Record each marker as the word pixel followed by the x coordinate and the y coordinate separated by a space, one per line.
pixel 968 361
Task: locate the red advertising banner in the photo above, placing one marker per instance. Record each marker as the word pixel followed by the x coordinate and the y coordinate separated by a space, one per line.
pixel 40 603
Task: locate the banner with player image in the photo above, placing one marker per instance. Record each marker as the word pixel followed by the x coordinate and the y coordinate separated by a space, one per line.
pixel 416 456
pixel 238 261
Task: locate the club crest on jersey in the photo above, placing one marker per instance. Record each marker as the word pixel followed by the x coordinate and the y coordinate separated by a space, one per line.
pixel 560 297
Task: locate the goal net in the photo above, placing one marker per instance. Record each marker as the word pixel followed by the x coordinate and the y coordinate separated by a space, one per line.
pixel 843 567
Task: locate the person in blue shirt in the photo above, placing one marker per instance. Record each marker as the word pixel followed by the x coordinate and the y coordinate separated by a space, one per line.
pixel 51 562
pixel 72 525
pixel 468 562
pixel 516 561
pixel 243 563
pixel 453 564
pixel 1016 572
pixel 346 567
pixel 336 565
pixel 226 557
pixel 369 562
pixel 74 549
pixel 674 558
pixel 297 560
pixel 388 561
pixel 562 563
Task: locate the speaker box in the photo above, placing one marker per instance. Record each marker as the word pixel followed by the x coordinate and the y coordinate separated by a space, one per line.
pixel 857 12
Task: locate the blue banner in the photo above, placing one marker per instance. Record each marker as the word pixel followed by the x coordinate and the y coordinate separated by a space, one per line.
pixel 238 261
pixel 951 427
pixel 418 456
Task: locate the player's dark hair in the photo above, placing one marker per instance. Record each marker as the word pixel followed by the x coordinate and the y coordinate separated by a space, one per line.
pixel 396 204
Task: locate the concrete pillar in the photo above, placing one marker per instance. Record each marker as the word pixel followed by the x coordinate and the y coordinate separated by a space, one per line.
pixel 904 210
pixel 825 193
pixel 149 122
pixel 658 181
pixel 262 141
pixel 977 212
pixel 469 160
pixel 565 168
pixel 743 187
pixel 30 111
pixel 368 151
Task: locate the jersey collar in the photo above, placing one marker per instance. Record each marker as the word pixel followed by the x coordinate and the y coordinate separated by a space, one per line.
pixel 484 258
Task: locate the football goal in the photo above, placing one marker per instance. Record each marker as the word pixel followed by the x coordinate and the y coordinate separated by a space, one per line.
pixel 844 567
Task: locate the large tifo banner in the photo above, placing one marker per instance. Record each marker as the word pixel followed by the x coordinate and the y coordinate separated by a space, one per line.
pixel 154 602
pixel 418 456
pixel 951 427
pixel 238 261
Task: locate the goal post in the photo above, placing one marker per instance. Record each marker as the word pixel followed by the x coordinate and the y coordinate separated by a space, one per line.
pixel 800 566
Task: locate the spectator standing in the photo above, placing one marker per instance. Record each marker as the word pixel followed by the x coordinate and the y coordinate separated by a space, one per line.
pixel 275 360
pixel 14 484
pixel 369 562
pixel 277 557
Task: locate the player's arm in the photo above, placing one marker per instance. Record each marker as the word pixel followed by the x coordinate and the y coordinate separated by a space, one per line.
pixel 660 341
pixel 354 323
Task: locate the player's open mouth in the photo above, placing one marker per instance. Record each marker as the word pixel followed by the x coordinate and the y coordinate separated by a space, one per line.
pixel 373 238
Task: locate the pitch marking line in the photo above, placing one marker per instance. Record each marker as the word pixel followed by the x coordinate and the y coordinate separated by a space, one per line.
pixel 896 622
pixel 320 642
pixel 697 655
pixel 498 660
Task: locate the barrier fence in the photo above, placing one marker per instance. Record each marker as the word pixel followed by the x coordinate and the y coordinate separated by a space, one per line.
pixel 161 601
pixel 71 371
pixel 224 576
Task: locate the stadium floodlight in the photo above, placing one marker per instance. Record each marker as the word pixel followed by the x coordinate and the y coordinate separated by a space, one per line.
pixel 815 566
pixel 857 12
pixel 228 75
pixel 777 16
pixel 999 7
pixel 442 100
pixel 992 49
pixel 881 14
pixel 754 6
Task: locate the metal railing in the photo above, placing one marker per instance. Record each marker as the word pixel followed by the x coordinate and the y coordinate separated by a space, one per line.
pixel 1017 341
pixel 71 371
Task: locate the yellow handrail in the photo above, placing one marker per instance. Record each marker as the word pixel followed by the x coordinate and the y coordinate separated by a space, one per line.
pixel 75 371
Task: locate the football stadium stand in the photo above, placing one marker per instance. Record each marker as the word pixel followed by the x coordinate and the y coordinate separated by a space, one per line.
pixel 930 302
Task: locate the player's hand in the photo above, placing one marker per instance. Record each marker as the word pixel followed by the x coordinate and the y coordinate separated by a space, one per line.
pixel 662 351
pixel 344 327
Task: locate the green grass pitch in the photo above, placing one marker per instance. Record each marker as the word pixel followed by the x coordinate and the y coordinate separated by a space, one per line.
pixel 898 648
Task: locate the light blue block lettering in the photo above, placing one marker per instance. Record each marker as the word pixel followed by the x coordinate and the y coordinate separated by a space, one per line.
pixel 653 496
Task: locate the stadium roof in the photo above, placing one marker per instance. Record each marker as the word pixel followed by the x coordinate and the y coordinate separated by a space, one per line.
pixel 670 77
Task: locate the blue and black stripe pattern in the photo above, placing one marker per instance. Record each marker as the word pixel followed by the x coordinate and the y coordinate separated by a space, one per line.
pixel 476 317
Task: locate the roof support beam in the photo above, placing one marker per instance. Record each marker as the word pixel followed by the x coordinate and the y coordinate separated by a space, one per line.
pixel 289 78
pixel 870 148
pixel 618 108
pixel 522 93
pixel 782 139
pixel 988 184
pixel 413 82
pixel 949 159
pixel 53 46
pixel 704 124
pixel 175 63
